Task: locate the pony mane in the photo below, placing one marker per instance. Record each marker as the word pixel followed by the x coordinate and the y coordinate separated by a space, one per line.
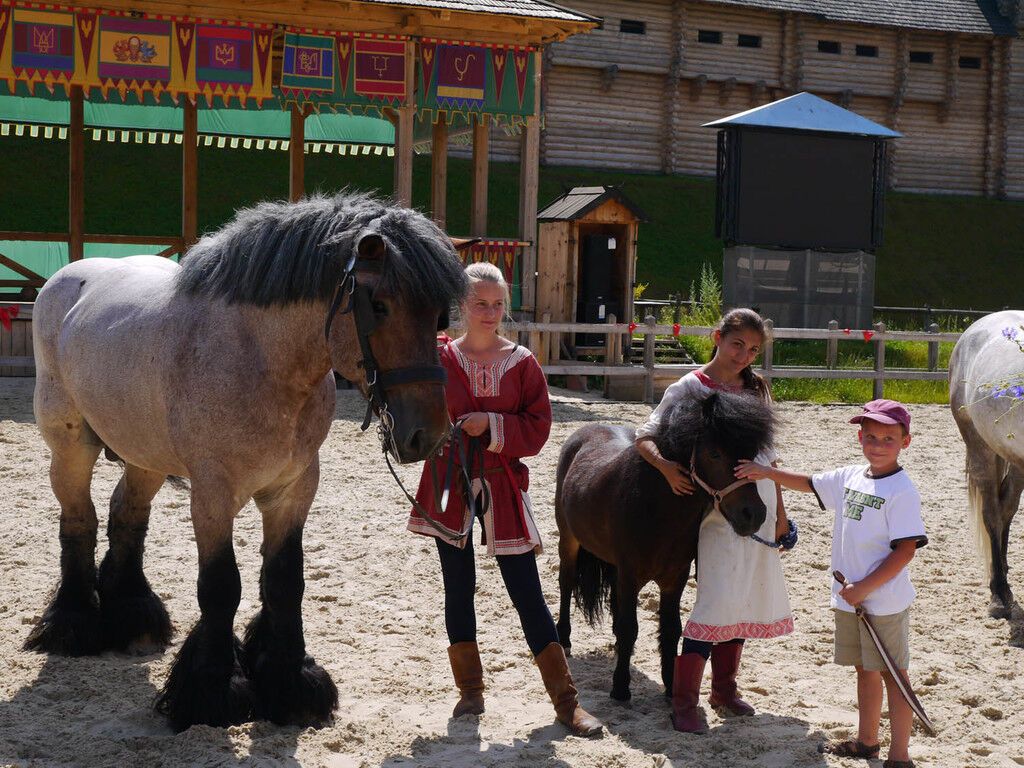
pixel 277 253
pixel 742 423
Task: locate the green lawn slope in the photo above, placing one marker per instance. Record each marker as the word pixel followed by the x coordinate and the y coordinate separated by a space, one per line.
pixel 942 250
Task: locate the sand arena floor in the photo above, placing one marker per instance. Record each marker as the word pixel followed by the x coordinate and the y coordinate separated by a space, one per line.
pixel 373 618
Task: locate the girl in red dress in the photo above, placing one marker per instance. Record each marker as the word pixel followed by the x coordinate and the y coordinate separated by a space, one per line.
pixel 498 395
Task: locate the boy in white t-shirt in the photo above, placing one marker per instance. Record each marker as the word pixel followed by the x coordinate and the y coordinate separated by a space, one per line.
pixel 877 529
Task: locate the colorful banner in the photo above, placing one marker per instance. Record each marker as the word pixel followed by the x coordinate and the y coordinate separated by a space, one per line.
pixel 135 55
pixel 343 71
pixel 468 79
pixel 105 51
pixel 42 45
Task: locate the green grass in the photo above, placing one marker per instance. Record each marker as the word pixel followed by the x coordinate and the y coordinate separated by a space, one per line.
pixel 941 250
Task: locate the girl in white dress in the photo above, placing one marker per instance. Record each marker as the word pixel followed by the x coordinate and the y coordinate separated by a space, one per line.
pixel 741 591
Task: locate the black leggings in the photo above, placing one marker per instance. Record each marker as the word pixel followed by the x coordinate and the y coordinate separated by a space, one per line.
pixel 521 580
pixel 703 647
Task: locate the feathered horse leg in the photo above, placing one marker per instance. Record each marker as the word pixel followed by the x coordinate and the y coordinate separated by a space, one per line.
pixel 132 614
pixel 290 688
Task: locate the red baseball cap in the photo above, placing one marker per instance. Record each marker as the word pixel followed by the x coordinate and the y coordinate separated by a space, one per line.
pixel 884 412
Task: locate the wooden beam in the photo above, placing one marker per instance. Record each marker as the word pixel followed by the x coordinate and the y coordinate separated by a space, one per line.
pixel 529 183
pixel 478 181
pixel 403 131
pixel 439 171
pixel 76 175
pixel 23 271
pixel 297 155
pixel 189 176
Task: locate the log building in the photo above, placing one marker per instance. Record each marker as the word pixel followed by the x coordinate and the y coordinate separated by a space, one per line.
pixel 948 74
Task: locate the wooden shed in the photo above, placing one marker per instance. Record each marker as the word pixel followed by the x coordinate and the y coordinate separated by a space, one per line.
pixel 586 262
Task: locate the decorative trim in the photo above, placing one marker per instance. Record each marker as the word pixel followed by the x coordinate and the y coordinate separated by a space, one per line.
pixel 713 633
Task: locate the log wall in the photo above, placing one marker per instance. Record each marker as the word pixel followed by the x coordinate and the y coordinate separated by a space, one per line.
pixel 627 101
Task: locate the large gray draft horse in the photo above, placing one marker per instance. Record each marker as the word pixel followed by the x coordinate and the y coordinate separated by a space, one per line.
pixel 983 360
pixel 220 371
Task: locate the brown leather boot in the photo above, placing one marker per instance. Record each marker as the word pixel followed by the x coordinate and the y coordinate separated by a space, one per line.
pixel 725 663
pixel 689 671
pixel 554 670
pixel 469 678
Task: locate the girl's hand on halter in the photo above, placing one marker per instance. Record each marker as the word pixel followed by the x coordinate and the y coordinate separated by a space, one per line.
pixel 475 423
pixel 677 477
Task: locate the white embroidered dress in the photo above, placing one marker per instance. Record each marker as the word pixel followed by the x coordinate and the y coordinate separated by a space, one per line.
pixel 741 591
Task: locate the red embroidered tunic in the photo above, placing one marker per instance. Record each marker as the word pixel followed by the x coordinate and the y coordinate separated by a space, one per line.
pixel 514 394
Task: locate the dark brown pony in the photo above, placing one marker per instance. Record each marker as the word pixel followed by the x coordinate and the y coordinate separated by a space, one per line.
pixel 621 526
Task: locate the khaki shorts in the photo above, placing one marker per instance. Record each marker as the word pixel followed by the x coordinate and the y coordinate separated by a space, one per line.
pixel 854 647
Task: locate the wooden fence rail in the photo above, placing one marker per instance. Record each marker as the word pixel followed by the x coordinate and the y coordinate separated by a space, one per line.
pixel 541 338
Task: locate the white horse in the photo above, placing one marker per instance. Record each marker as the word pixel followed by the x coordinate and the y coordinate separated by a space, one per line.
pixel 983 362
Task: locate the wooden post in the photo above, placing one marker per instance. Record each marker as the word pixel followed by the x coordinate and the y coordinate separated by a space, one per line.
pixel 832 346
pixel 478 182
pixel 609 342
pixel 551 353
pixel 189 176
pixel 76 176
pixel 768 352
pixel 649 360
pixel 403 131
pixel 297 155
pixel 879 387
pixel 529 181
pixel 933 349
pixel 439 173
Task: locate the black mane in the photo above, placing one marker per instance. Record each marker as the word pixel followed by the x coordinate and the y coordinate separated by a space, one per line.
pixel 279 253
pixel 743 424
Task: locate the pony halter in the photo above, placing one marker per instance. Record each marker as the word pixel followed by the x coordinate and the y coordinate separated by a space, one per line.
pixel 716 496
pixel 360 304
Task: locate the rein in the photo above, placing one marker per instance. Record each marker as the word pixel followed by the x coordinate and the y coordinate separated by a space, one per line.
pixel 467 458
pixel 360 304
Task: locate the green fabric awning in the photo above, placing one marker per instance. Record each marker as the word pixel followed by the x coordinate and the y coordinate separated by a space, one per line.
pixel 114 119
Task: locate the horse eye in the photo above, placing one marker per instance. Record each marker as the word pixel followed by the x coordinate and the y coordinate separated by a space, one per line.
pixel 380 308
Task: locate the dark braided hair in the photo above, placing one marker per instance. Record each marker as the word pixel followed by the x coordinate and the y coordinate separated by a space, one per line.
pixel 743 319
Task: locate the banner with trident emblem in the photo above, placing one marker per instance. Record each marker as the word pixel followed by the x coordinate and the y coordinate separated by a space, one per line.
pixel 476 78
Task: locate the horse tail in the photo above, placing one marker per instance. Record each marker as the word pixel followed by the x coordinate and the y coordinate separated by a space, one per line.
pixel 593 589
pixel 976 511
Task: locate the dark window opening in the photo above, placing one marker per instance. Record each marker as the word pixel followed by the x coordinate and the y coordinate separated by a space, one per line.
pixel 709 36
pixel 633 27
pixel 921 57
pixel 970 62
pixel 871 51
pixel 749 41
pixel 829 46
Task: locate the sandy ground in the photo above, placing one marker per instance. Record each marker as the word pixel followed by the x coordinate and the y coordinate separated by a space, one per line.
pixel 373 617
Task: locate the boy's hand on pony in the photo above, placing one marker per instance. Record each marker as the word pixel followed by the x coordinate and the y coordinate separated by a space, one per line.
pixel 751 470
pixel 677 477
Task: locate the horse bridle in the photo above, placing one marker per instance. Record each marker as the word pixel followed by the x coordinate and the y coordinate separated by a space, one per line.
pixel 716 495
pixel 378 381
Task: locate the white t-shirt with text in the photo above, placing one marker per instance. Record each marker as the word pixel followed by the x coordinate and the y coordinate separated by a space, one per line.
pixel 872 514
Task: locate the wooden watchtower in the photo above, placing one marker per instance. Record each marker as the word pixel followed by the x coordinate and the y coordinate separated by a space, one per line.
pixel 586 263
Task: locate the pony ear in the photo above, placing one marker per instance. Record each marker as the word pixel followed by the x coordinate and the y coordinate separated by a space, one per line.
pixel 371 248
pixel 707 407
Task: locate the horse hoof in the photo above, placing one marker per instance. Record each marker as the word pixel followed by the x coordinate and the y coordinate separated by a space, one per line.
pixel 623 695
pixel 135 623
pixel 68 628
pixel 200 691
pixel 306 697
pixel 997 609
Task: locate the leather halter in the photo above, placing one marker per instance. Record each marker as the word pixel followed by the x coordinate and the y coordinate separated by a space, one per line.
pixel 360 304
pixel 716 496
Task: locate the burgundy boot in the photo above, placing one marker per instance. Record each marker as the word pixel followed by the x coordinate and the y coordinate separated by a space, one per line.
pixel 725 663
pixel 686 679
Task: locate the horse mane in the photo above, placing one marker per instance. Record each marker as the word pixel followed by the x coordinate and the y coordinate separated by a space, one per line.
pixel 276 253
pixel 742 423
